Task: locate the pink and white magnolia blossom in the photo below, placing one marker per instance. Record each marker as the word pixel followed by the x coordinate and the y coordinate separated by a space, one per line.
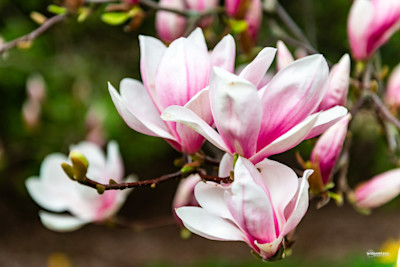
pixel 371 23
pixel 170 26
pixel 259 123
pixel 392 96
pixel 379 190
pixel 263 204
pixel 55 192
pixel 184 195
pixel 338 84
pixel 328 147
pixel 232 6
pixel 177 75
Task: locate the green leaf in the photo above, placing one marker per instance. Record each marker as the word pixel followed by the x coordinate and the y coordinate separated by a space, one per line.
pixel 238 26
pixel 56 9
pixel 115 18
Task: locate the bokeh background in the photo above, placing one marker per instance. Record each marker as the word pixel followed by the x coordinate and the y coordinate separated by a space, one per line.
pixel 75 61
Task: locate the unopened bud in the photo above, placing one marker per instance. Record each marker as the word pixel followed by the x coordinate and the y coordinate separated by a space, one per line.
pixel 100 189
pixel 80 165
pixel 68 169
pixel 111 181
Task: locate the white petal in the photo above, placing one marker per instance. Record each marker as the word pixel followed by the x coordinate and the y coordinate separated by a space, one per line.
pixel 114 166
pixel 237 111
pixel 282 184
pixel 210 197
pixel 326 119
pixel 61 222
pixel 223 55
pixel 145 124
pixel 197 37
pixel 151 52
pixel 254 72
pixel 296 210
pixel 210 226
pixel 226 165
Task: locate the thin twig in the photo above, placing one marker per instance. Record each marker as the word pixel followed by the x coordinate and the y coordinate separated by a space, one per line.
pixel 289 22
pixel 209 160
pixel 152 182
pixel 153 5
pixel 384 111
pixel 31 36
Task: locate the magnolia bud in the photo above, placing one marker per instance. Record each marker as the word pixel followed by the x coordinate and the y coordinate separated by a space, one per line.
pixel 328 148
pixel 80 165
pixel 170 26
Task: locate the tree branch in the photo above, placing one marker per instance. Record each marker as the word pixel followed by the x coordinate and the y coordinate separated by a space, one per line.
pixel 31 36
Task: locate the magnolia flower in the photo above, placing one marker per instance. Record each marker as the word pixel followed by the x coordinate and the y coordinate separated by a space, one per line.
pixel 201 6
pixel 170 26
pixel 259 123
pixel 328 147
pixel 371 24
pixel 392 97
pixel 233 7
pixel 379 190
pixel 283 57
pixel 177 75
pixel 184 195
pixel 263 204
pixel 338 84
pixel 54 191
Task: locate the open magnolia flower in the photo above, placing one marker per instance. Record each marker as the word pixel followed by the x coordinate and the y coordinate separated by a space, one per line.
pixel 371 23
pixel 177 75
pixel 259 123
pixel 263 204
pixel 54 191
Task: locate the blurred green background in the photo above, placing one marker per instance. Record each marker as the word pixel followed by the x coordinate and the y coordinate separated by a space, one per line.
pixel 76 60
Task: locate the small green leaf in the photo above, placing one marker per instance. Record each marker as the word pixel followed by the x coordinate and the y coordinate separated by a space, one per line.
pixel 68 169
pixel 238 26
pixel 115 18
pixel 100 189
pixel 84 13
pixel 56 9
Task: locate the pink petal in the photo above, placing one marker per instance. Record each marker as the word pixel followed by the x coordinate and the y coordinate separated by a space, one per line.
pixel 379 190
pixel 338 85
pixel 282 183
pixel 326 119
pixel 288 140
pixel 358 26
pixel 140 113
pixel 250 205
pixel 237 111
pixel 190 140
pixel 328 147
pixel 190 119
pixel 151 52
pixel 223 55
pixel 292 95
pixel 284 57
pixel 61 222
pixel 297 208
pixel 255 71
pixel 392 96
pixel 208 225
pixel 183 72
